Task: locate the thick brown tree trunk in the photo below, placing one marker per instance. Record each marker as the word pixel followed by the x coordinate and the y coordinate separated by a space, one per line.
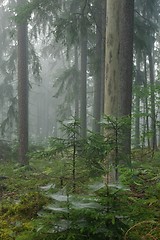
pixel 119 54
pixel 112 58
pixel 126 69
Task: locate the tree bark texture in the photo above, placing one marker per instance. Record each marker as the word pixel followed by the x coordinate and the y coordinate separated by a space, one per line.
pixel 153 111
pixel 119 62
pixel 83 83
pixel 98 71
pixel 137 101
pixel 76 83
pixel 98 107
pixel 146 101
pixel 104 4
pixel 126 56
pixel 23 92
pixel 112 58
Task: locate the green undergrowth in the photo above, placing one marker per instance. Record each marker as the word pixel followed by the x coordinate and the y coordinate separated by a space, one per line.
pixel 38 201
pixel 17 215
pixel 22 195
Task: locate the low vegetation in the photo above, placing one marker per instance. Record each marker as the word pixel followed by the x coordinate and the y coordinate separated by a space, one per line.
pixel 57 198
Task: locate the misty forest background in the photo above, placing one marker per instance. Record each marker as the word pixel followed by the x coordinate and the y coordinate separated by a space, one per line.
pixel 79 119
pixel 65 73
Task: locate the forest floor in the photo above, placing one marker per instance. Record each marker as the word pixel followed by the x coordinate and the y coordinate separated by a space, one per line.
pixel 22 196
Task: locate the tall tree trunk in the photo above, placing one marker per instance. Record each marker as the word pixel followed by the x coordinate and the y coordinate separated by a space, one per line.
pixel 146 102
pixel 76 83
pixel 119 54
pixel 153 114
pixel 104 4
pixel 98 70
pixel 112 58
pixel 126 69
pixel 137 100
pixel 23 91
pixel 83 87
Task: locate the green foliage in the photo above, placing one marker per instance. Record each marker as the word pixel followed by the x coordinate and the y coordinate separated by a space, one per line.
pixel 92 216
pixel 94 151
pixel 56 146
pixel 28 206
pixel 89 153
pixel 66 149
pixel 67 80
pixel 99 211
pixel 67 29
pixel 16 217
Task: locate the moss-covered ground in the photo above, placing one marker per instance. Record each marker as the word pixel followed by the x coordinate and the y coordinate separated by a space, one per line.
pixel 22 198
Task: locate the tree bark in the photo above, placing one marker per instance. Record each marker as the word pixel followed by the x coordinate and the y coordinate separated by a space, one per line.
pixel 146 102
pixel 76 83
pixel 83 84
pixel 126 69
pixel 119 63
pixel 23 92
pixel 137 101
pixel 104 4
pixel 112 58
pixel 98 69
pixel 153 114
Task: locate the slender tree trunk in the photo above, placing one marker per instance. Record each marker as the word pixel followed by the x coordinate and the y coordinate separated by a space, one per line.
pixel 146 102
pixel 98 70
pixel 23 92
pixel 104 4
pixel 153 114
pixel 83 87
pixel 76 83
pixel 137 101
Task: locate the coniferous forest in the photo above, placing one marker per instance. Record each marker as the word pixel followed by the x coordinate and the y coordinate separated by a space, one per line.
pixel 79 120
